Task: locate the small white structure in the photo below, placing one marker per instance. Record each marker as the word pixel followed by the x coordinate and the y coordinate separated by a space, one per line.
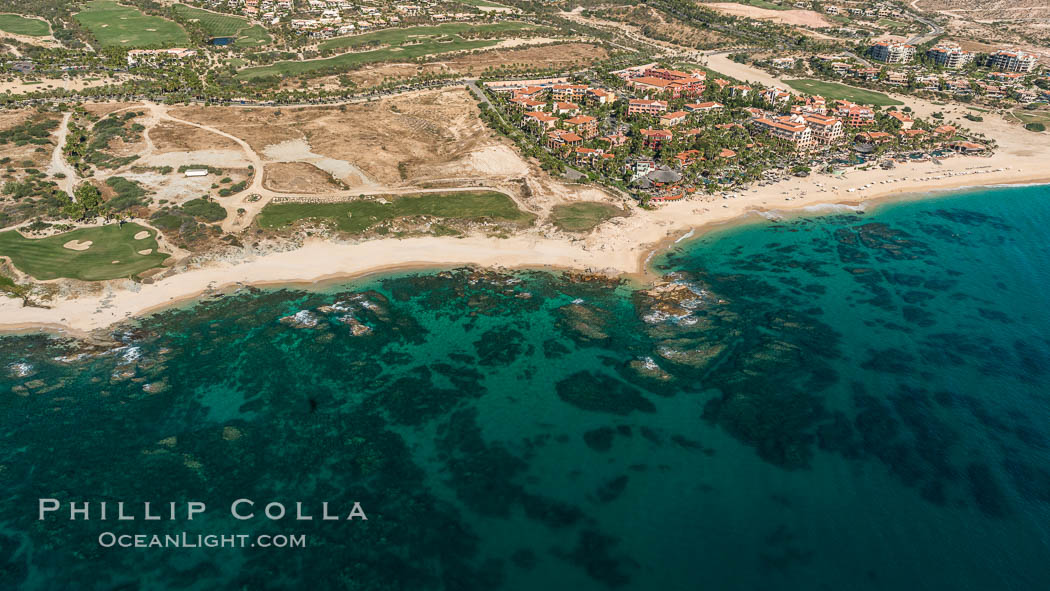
pixel 197 172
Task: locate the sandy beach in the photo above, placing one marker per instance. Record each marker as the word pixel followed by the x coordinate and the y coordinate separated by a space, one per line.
pixel 621 246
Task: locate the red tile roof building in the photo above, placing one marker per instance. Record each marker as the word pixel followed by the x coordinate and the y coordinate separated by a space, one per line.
pixel 703 107
pixel 584 125
pixel 563 108
pixel 905 121
pixel 787 129
pixel 568 92
pixel 646 107
pixel 655 138
pixel 558 139
pixel 544 120
pixel 854 115
pixel 673 119
pixel 826 130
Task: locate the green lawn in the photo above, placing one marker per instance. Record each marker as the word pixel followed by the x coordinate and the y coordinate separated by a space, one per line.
pixel 764 4
pixel 834 91
pixel 223 25
pixel 483 4
pixel 583 216
pixel 1033 116
pixel 401 45
pixel 253 36
pixel 21 25
pixel 47 258
pixel 400 36
pixel 892 24
pixel 349 61
pixel 115 25
pixel 214 24
pixel 358 216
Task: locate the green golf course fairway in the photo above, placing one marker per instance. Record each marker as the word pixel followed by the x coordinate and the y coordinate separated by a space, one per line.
pixel 47 258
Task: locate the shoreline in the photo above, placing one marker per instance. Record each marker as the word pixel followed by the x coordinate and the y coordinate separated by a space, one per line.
pixel 86 316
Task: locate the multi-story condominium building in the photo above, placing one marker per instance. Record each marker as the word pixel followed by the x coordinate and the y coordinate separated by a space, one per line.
pixel 741 90
pixel 559 139
pixel 646 107
pixel 654 138
pixel 544 120
pixel 673 119
pixel 585 125
pixel 826 130
pixel 527 104
pixel 949 55
pixel 676 88
pixel 690 81
pixel 788 129
pixel 776 95
pixel 561 108
pixel 892 52
pixel 854 115
pixel 600 96
pixel 674 74
pixel 703 107
pixel 810 104
pixel 1012 60
pixel 568 92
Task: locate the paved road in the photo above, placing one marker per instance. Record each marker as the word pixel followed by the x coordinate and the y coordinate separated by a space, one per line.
pixel 866 63
pixel 474 88
pixel 935 30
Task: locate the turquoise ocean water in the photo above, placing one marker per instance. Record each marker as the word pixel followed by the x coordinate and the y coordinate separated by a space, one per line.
pixel 844 401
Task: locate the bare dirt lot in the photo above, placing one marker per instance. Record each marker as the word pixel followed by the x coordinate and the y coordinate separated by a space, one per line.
pixel 297 177
pixel 981 47
pixel 135 145
pixel 988 25
pixel 103 109
pixel 169 136
pixel 989 10
pixel 546 55
pixel 400 140
pixel 804 18
pixel 28 155
pixel 22 85
pixel 643 18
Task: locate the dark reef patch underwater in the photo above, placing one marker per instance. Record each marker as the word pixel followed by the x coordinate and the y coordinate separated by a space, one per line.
pixel 849 401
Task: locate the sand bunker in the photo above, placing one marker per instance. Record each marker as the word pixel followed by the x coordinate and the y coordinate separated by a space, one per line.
pixel 141 235
pixel 299 151
pixel 77 245
pixel 146 251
